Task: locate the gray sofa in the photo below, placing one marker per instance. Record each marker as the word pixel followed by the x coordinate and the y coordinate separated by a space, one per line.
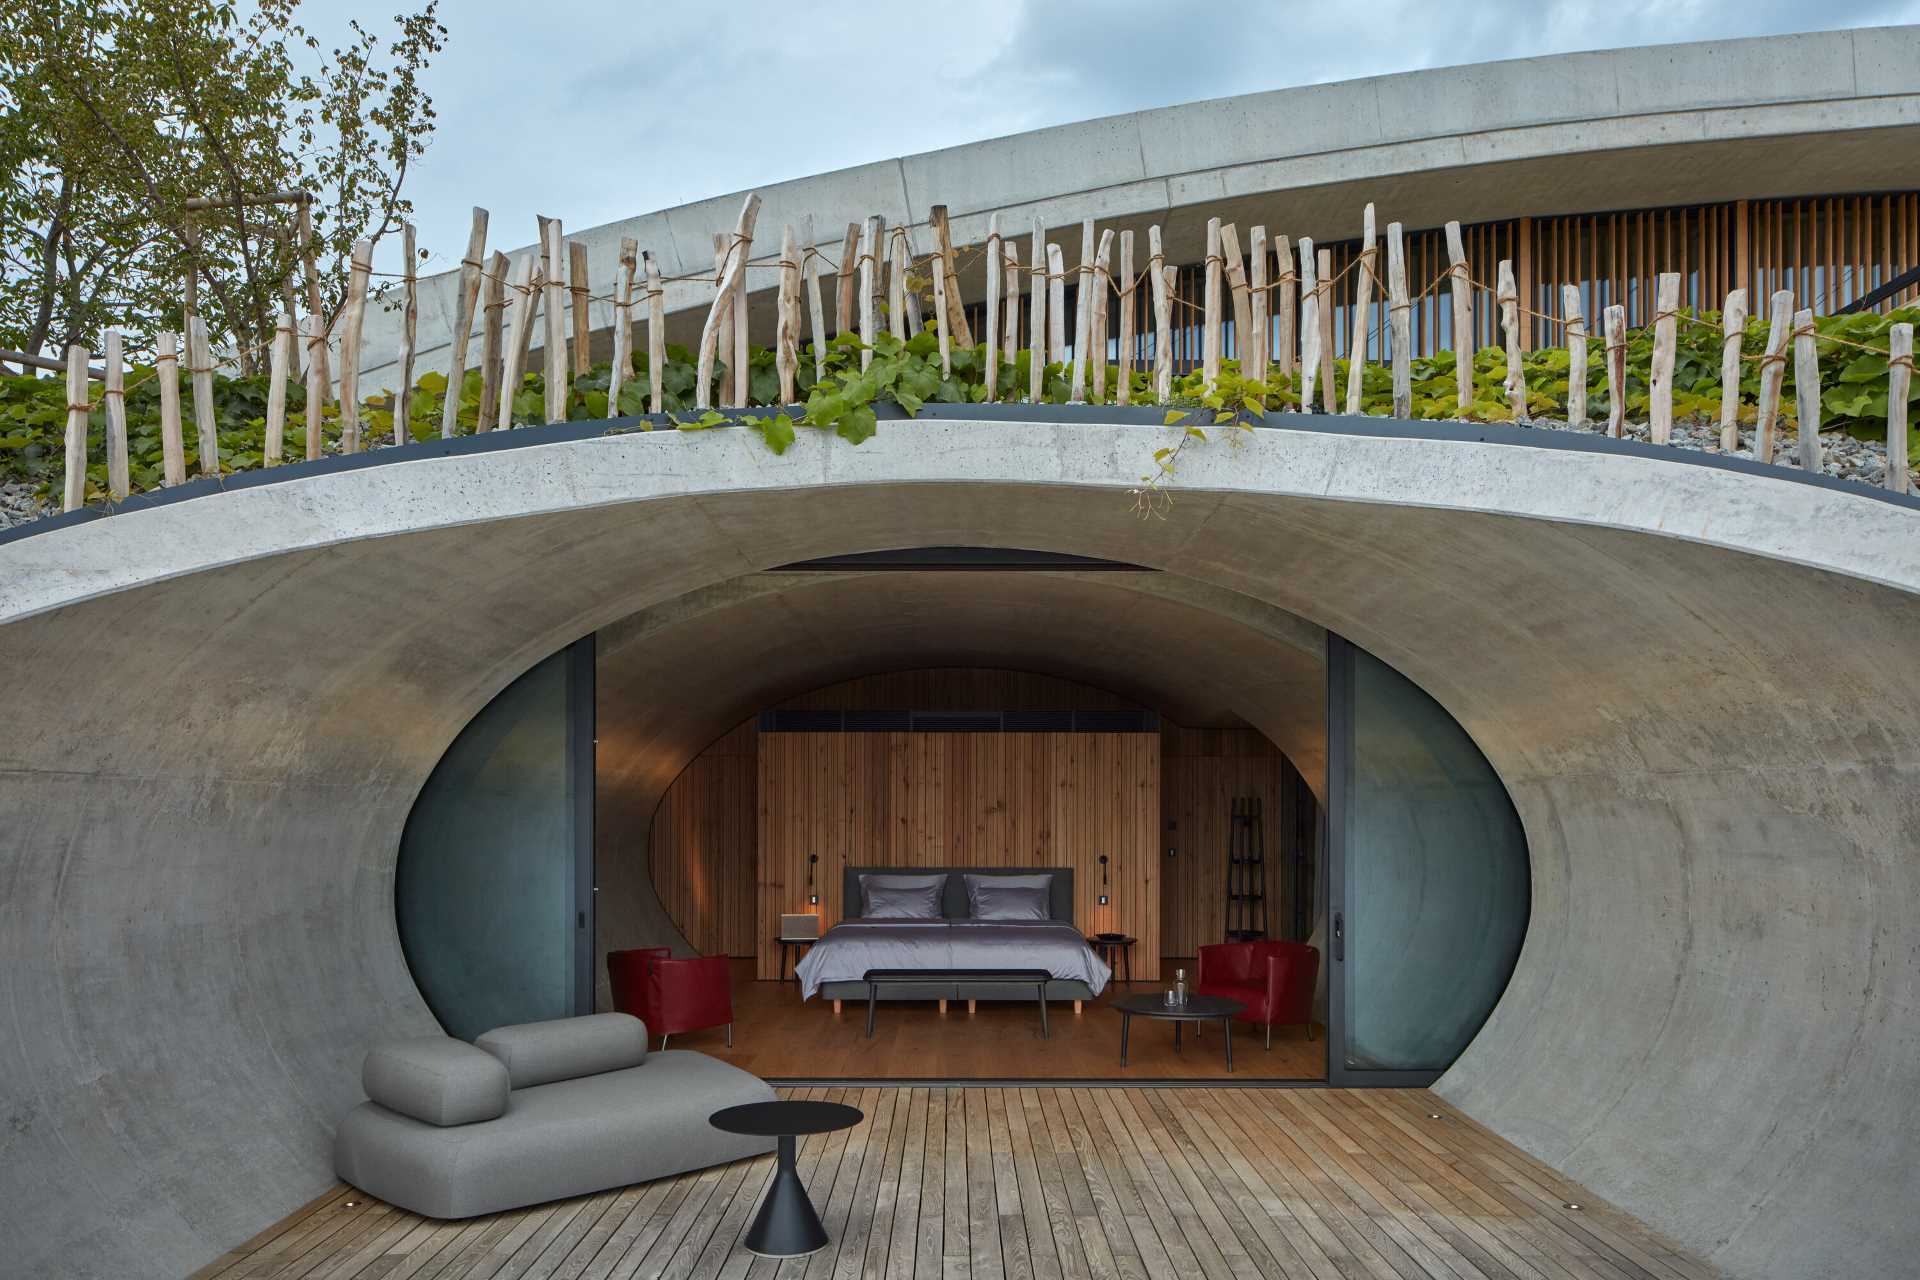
pixel 533 1113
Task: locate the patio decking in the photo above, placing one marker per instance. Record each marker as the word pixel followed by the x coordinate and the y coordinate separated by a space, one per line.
pixel 1053 1184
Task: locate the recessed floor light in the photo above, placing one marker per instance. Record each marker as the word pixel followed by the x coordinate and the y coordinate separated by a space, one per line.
pixel 1571 1206
pixel 1434 1115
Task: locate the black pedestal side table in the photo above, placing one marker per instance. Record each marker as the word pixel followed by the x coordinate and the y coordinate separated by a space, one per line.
pixel 786 1226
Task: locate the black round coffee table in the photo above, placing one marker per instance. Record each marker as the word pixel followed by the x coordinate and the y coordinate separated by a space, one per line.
pixel 1197 1009
pixel 786 1226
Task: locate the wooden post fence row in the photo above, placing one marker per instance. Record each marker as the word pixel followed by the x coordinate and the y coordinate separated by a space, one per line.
pixel 507 299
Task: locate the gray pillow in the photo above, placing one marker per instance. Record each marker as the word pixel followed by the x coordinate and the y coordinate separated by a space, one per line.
pixel 922 903
pixel 884 881
pixel 566 1048
pixel 1041 881
pixel 436 1079
pixel 1011 902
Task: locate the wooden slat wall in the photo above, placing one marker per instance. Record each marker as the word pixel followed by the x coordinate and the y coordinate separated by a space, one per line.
pixel 1828 249
pixel 986 799
pixel 704 846
pixel 1201 771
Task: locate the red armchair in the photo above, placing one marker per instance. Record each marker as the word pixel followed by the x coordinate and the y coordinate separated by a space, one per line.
pixel 671 995
pixel 1273 979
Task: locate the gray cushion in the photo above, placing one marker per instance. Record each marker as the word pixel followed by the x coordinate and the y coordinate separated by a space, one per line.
pixel 557 1140
pixel 542 1052
pixel 903 904
pixel 1006 882
pixel 435 1079
pixel 1011 902
pixel 869 882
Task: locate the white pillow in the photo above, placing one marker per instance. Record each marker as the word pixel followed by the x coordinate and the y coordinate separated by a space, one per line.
pixel 1010 882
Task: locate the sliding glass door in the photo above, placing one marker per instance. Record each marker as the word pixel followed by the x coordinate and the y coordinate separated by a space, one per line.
pixel 1428 878
pixel 494 889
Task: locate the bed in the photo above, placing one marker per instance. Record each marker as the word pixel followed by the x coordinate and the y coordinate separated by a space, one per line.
pixel 833 969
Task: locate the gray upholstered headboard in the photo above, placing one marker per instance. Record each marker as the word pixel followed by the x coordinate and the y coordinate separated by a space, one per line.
pixel 954 904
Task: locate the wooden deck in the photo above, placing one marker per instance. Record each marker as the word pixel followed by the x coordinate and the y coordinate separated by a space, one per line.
pixel 778 1037
pixel 1048 1184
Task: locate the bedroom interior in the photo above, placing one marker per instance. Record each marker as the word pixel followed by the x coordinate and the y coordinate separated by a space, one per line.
pixel 599 839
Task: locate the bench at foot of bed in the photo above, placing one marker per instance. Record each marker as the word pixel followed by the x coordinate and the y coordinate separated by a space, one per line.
pixel 1038 979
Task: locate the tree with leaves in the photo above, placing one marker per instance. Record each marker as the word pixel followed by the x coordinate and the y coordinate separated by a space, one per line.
pixel 116 116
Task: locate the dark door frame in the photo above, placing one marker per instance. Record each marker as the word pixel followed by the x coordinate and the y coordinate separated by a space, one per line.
pixel 582 735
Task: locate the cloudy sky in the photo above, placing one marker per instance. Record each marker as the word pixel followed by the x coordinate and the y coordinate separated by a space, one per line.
pixel 596 110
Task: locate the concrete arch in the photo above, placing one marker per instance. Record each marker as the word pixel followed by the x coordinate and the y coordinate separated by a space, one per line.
pixel 1695 682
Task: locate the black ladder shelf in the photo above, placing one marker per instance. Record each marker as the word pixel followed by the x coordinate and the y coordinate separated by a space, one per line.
pixel 1246 873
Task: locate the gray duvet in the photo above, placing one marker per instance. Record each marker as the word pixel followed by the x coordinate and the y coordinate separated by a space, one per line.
pixel 852 947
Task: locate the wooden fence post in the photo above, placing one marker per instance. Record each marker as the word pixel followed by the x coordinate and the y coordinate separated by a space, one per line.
pixel 303 240
pixel 1123 394
pixel 845 313
pixel 723 348
pixel 276 441
pixel 356 315
pixel 742 364
pixel 1508 296
pixel 786 328
pixel 620 371
pixel 1309 324
pixel 166 367
pixel 1237 293
pixel 1099 281
pixel 1362 309
pixel 1323 259
pixel 1082 314
pixel 942 330
pixel 1573 307
pixel 994 263
pixel 519 338
pixel 493 303
pixel 114 397
pixel 1254 363
pixel 316 333
pixel 1899 383
pixel 1399 321
pixel 200 366
pixel 957 324
pixel 1806 389
pixel 656 333
pixel 1210 308
pixel 1660 384
pixel 1057 302
pixel 1460 286
pixel 1037 282
pixel 1010 281
pixel 77 411
pixel 409 334
pixel 898 322
pixel 579 295
pixel 462 321
pixel 729 282
pixel 1773 375
pixel 816 311
pixel 1286 305
pixel 1733 328
pixel 1615 321
pixel 559 382
pixel 1162 317
pixel 869 265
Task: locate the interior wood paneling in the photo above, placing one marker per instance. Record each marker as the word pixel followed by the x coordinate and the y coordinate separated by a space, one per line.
pixel 703 846
pixel 937 799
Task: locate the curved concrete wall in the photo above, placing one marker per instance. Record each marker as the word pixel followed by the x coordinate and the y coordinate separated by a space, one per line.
pixel 1664 125
pixel 1696 683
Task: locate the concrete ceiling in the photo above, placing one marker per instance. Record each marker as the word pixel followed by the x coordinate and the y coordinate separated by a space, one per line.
pixel 676 676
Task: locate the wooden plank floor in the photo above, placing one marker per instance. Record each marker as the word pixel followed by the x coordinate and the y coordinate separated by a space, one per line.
pixel 1048 1184
pixel 778 1037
